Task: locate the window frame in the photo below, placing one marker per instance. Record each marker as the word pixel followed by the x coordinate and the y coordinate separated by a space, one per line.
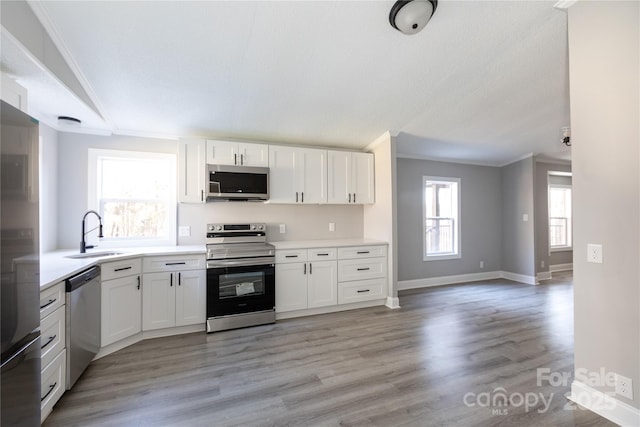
pixel 559 248
pixel 458 222
pixel 95 203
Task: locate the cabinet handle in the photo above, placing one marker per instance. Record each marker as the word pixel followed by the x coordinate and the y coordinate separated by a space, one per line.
pixel 51 388
pixel 48 303
pixel 354 197
pixel 291 256
pixel 48 342
pixel 302 197
pixel 175 263
pixel 202 195
pixel 235 159
pixel 349 197
pixel 296 197
pixel 364 269
pixel 362 252
pixel 138 282
pixel 305 268
pixel 362 291
pixel 310 268
pixel 122 268
pixel 171 279
pixel 179 279
pixel 242 159
pixel 322 254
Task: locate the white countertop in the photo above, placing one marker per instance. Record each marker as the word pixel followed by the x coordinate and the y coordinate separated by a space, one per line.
pixel 336 243
pixel 55 266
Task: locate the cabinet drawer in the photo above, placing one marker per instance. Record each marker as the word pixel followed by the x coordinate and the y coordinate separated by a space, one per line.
pixel 362 252
pixel 52 340
pixel 51 300
pixel 361 269
pixel 322 254
pixel 361 290
pixel 173 263
pixel 117 269
pixel 291 255
pixel 52 383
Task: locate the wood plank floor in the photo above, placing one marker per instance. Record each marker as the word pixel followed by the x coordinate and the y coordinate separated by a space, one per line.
pixel 407 367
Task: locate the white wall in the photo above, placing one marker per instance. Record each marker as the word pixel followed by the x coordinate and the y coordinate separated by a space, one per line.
pixel 604 54
pixel 48 188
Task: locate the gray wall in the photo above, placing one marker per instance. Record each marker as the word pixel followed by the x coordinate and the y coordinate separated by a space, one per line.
pixel 481 215
pixel 302 222
pixel 518 241
pixel 48 188
pixel 604 54
pixel 542 179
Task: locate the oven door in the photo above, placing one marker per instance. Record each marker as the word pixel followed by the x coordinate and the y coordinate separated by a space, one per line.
pixel 240 289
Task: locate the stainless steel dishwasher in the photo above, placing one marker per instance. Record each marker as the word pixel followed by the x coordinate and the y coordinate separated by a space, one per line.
pixel 83 322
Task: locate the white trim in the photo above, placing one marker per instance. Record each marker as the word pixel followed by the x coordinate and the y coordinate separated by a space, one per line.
pixel 543 275
pixel 448 280
pixel 329 309
pixel 445 160
pixel 379 140
pixel 561 267
pixel 553 161
pixel 553 249
pixel 458 219
pixel 526 156
pixel 564 4
pixel 604 405
pixel 393 302
pixel 522 278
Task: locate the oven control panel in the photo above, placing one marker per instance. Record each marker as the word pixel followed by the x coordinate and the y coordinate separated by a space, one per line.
pixel 231 228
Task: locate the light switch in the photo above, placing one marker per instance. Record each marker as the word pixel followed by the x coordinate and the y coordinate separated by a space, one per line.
pixel 332 226
pixel 283 229
pixel 525 217
pixel 184 231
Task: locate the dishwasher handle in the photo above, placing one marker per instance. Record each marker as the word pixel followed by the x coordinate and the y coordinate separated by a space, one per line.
pixel 83 278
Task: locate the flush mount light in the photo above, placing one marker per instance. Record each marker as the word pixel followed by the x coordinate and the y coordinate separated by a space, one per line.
pixel 411 16
pixel 69 121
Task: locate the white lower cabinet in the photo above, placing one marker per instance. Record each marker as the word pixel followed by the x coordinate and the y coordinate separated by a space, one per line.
pixel 362 274
pixel 173 298
pixel 322 284
pixel 121 309
pixel 291 287
pixel 52 383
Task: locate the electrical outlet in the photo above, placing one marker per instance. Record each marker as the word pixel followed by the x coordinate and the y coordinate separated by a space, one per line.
pixel 283 228
pixel 332 226
pixel 525 217
pixel 481 264
pixel 594 253
pixel 542 264
pixel 624 387
pixel 184 231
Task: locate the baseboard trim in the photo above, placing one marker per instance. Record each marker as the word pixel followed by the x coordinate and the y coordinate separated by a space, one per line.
pixel 329 309
pixel 543 275
pixel 447 280
pixel 561 267
pixel 604 405
pixel 522 278
pixel 393 302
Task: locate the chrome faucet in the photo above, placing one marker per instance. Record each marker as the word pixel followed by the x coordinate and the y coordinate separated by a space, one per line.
pixel 83 244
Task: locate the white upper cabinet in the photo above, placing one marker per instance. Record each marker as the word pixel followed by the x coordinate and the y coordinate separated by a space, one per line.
pixel 191 170
pixel 297 175
pixel 237 153
pixel 350 177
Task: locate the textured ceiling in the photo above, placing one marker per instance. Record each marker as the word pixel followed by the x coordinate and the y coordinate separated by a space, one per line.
pixel 484 82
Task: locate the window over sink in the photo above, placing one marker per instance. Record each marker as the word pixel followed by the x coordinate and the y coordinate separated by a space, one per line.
pixel 135 193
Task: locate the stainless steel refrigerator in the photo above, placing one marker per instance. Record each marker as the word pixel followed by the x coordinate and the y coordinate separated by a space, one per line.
pixel 20 269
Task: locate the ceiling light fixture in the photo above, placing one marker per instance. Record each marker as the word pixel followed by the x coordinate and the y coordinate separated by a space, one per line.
pixel 411 16
pixel 69 121
pixel 566 136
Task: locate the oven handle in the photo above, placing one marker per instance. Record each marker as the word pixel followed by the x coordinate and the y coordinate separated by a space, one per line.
pixel 221 263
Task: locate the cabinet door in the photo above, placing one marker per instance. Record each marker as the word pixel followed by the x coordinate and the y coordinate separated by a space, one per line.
pixel 322 284
pixel 158 301
pixel 222 152
pixel 362 178
pixel 121 309
pixel 339 175
pixel 312 165
pixel 253 154
pixel 282 174
pixel 191 297
pixel 191 170
pixel 291 287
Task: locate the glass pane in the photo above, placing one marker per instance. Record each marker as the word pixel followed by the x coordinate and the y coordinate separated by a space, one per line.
pixel 134 178
pixel 241 285
pixel 441 207
pixel 134 219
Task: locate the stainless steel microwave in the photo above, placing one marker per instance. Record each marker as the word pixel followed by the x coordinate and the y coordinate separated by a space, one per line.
pixel 237 183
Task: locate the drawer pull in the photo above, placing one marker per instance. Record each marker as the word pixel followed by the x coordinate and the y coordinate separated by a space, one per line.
pixel 122 268
pixel 48 342
pixel 291 256
pixel 363 291
pixel 363 252
pixel 48 303
pixel 175 263
pixel 51 388
pixel 364 269
pixel 323 254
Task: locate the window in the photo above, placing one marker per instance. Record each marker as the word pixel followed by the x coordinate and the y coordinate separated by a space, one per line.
pixel 135 194
pixel 441 218
pixel 560 216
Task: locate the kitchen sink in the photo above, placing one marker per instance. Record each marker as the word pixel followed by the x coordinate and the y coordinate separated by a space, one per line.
pixel 94 255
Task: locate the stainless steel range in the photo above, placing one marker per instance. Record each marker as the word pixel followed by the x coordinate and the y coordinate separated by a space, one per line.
pixel 240 276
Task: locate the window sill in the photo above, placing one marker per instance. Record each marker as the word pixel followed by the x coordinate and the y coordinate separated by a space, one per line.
pixel 561 249
pixel 441 257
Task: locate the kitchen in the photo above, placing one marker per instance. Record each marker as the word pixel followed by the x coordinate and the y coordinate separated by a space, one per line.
pixel 60 226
